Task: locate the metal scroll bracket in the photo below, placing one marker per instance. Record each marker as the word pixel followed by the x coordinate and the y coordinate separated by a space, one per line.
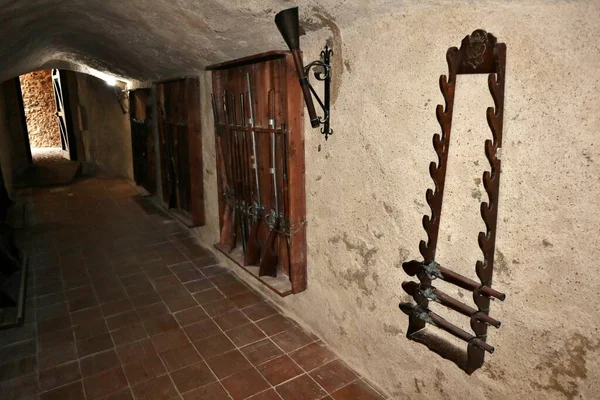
pixel 323 73
pixel 289 26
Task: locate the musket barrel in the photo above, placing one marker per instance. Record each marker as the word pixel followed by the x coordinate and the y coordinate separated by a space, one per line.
pixel 274 172
pixel 226 234
pixel 253 133
pixel 232 195
pixel 435 320
pixel 254 249
pixel 432 293
pixel 469 284
pixel 243 169
pixel 459 333
pixel 464 309
pixel 414 267
pixel 269 255
pixel 273 155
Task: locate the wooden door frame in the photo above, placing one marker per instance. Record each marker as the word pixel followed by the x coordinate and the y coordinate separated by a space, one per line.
pixel 144 98
pixel 162 160
pixel 190 112
pixel 66 108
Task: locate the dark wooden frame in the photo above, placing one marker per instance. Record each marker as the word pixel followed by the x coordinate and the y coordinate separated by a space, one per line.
pixel 59 78
pixel 480 53
pixel 141 118
pixel 188 115
pixel 290 112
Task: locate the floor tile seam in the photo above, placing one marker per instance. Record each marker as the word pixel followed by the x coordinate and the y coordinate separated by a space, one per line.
pixel 195 348
pixel 299 366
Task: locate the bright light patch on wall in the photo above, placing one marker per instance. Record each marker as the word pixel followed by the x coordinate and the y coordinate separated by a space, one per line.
pixel 110 80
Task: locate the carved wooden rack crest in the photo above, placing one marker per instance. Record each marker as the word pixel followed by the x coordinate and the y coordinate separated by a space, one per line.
pixel 479 53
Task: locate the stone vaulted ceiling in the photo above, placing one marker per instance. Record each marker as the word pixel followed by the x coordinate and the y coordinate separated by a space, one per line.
pixel 150 39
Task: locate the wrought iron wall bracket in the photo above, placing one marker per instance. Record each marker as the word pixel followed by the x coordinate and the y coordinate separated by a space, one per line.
pixel 288 24
pixel 322 73
pixel 479 53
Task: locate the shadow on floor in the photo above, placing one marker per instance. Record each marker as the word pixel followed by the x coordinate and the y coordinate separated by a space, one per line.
pixel 49 168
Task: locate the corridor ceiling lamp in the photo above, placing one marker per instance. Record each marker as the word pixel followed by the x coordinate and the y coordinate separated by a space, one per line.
pixel 288 25
pixel 119 86
pixel 109 79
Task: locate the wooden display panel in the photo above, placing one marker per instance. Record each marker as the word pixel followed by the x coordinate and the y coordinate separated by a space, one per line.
pixel 276 95
pixel 180 143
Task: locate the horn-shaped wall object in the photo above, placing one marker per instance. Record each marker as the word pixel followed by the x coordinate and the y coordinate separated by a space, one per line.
pixel 479 53
pixel 288 24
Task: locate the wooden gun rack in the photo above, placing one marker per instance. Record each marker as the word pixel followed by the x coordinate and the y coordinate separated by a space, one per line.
pixel 277 128
pixel 480 53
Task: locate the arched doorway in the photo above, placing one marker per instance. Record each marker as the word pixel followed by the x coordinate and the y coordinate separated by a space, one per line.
pixel 47 115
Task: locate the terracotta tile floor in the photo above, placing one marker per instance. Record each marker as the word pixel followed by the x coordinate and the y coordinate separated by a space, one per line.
pixel 123 303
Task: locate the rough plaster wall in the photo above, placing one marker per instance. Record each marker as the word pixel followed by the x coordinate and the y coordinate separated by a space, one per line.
pixel 364 222
pixel 106 130
pixel 40 108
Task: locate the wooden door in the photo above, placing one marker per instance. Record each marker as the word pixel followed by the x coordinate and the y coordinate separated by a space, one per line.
pixel 142 140
pixel 178 104
pixel 67 140
pixel 167 156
